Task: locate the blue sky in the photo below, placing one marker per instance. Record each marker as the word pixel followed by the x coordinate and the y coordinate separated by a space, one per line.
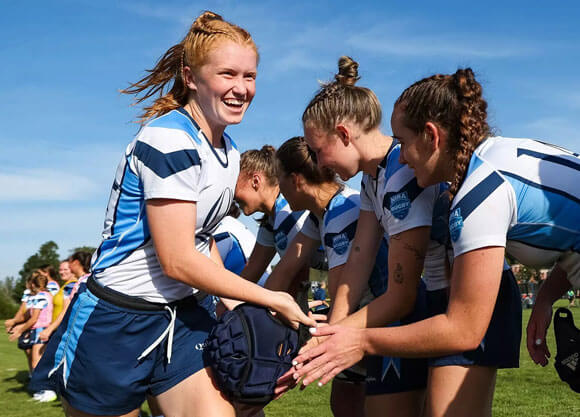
pixel 65 125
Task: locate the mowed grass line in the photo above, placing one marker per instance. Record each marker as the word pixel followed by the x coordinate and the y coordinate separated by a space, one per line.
pixel 527 391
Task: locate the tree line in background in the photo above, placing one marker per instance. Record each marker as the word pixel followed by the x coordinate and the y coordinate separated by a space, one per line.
pixel 11 288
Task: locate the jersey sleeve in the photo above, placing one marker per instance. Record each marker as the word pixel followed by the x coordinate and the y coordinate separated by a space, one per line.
pixel 41 301
pixel 339 230
pixel 366 202
pixel 67 291
pixel 481 213
pixel 265 236
pixel 410 206
pixel 310 228
pixel 52 287
pixel 168 164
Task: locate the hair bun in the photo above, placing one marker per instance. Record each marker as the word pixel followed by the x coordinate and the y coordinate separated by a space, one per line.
pixel 268 150
pixel 204 19
pixel 347 71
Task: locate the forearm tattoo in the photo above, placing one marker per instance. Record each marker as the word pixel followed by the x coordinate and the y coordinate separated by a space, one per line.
pixel 417 253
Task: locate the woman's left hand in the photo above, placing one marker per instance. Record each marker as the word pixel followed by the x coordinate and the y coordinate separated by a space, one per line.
pixel 16 333
pixel 342 349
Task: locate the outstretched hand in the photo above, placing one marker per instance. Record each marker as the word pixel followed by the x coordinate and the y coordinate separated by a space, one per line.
pixel 342 348
pixel 291 312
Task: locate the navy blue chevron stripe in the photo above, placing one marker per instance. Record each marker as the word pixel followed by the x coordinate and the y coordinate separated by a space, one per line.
pixel 288 223
pixel 166 164
pixel 314 219
pixel 550 158
pixel 477 194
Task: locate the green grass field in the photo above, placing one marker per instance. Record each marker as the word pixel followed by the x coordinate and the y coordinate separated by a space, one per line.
pixel 527 391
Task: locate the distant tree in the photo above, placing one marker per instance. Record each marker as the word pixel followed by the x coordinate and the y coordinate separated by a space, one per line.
pixel 7 286
pixel 46 255
pixel 7 305
pixel 526 273
pixel 89 249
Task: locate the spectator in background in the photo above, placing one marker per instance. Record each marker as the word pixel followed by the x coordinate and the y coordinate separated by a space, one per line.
pixel 64 271
pixel 68 280
pixel 571 298
pixel 50 273
pixel 320 295
pixel 79 264
pixel 39 304
pixel 516 269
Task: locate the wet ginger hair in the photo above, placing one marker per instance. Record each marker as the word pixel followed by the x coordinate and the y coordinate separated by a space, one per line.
pixel 341 100
pixel 296 157
pixel 204 34
pixel 261 160
pixel 455 103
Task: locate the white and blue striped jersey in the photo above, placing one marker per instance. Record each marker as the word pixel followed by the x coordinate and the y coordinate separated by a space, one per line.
pixel 336 230
pixel 25 296
pixel 234 242
pixel 52 287
pixel 524 195
pixel 400 204
pixel 171 159
pixel 281 227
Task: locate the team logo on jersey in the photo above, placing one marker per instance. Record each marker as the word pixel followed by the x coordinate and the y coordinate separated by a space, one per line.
pixel 219 209
pixel 400 205
pixel 340 243
pixel 281 240
pixel 455 224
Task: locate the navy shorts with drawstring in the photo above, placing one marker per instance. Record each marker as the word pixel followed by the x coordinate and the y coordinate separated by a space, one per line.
pixel 112 350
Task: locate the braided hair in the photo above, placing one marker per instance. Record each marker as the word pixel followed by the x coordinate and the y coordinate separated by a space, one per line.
pixel 455 103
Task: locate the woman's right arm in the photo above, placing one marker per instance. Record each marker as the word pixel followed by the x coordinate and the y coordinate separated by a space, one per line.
pixel 296 257
pixel 258 261
pixel 21 328
pixel 475 282
pixel 350 283
pixel 406 256
pixel 172 227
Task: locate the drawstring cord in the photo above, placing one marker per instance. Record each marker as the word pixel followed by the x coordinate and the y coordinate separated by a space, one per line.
pixel 168 332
